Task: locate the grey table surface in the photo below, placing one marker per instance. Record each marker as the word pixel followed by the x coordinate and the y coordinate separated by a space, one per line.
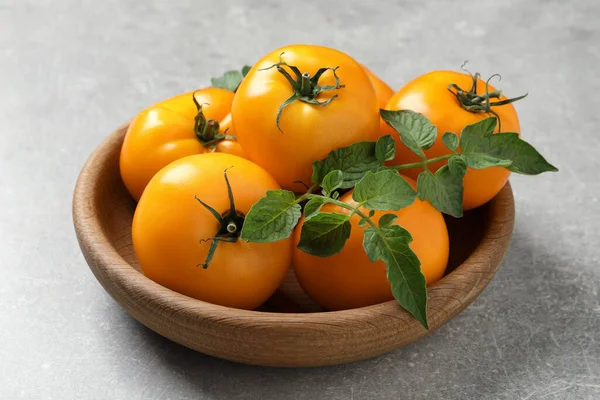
pixel 72 71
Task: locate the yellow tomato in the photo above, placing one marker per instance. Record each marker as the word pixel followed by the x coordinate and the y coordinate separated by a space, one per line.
pixel 172 232
pixel 164 133
pixel 306 131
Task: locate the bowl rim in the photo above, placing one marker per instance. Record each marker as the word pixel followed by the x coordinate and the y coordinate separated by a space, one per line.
pixel 115 274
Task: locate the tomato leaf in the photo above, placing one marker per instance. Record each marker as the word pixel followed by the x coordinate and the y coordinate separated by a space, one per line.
pixel 387 219
pixel 272 218
pixel 476 145
pixel 332 181
pixel 525 158
pixel 383 190
pixel 325 234
pixel 450 140
pixel 354 161
pixel 362 222
pixel 245 70
pixel 231 79
pixel 481 148
pixel 415 130
pixel 457 166
pixel 444 189
pixel 313 206
pixel 385 148
pixel 391 244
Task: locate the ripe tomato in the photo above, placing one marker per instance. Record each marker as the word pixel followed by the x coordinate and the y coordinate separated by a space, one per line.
pixel 429 95
pixel 226 125
pixel 382 89
pixel 349 279
pixel 305 132
pixel 172 231
pixel 165 132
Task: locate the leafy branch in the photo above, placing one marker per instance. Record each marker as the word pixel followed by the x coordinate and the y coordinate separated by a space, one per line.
pixel 376 187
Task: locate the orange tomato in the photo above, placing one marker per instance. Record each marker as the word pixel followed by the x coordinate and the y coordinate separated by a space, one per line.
pixel 429 95
pixel 171 232
pixel 165 132
pixel 308 132
pixel 349 279
pixel 226 125
pixel 382 89
pixel 229 146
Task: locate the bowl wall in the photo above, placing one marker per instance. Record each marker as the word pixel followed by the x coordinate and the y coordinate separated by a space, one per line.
pixel 289 330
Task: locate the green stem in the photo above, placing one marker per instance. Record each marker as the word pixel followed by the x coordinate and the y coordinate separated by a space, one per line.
pixel 305 85
pixel 355 210
pixel 480 103
pixel 210 130
pixel 421 164
pixel 230 224
pixel 306 89
pixel 307 195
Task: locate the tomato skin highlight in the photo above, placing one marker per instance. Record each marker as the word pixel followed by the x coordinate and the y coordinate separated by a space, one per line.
pixel 171 232
pixel 308 132
pixel 349 279
pixel 429 95
pixel 164 133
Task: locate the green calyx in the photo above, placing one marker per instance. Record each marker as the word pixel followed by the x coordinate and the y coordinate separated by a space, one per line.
pixel 207 131
pixel 481 103
pixel 306 88
pixel 230 224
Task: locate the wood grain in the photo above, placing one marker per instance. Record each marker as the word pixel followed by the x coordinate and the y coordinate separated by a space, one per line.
pixel 287 331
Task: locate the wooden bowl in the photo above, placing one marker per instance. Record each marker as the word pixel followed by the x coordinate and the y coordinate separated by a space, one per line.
pixel 289 330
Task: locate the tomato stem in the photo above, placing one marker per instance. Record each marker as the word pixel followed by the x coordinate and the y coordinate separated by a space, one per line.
pixel 421 164
pixel 307 195
pixel 210 130
pixel 480 103
pixel 306 89
pixel 355 210
pixel 305 85
pixel 232 227
pixel 230 223
pixel 207 131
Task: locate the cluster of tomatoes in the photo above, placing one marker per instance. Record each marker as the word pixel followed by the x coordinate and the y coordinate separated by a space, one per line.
pixel 294 106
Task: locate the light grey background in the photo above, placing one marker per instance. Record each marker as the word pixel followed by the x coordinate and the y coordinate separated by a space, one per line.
pixel 72 71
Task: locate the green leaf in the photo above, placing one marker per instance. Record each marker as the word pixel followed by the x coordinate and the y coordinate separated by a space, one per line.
pixel 371 213
pixel 387 219
pixel 332 181
pixel 383 190
pixel 481 148
pixel 525 158
pixel 415 130
pixel 246 69
pixel 385 148
pixel 362 222
pixel 481 161
pixel 354 161
pixel 313 206
pixel 450 140
pixel 457 166
pixel 272 218
pixel 444 189
pixel 230 79
pixel 476 136
pixel 391 244
pixel 325 234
